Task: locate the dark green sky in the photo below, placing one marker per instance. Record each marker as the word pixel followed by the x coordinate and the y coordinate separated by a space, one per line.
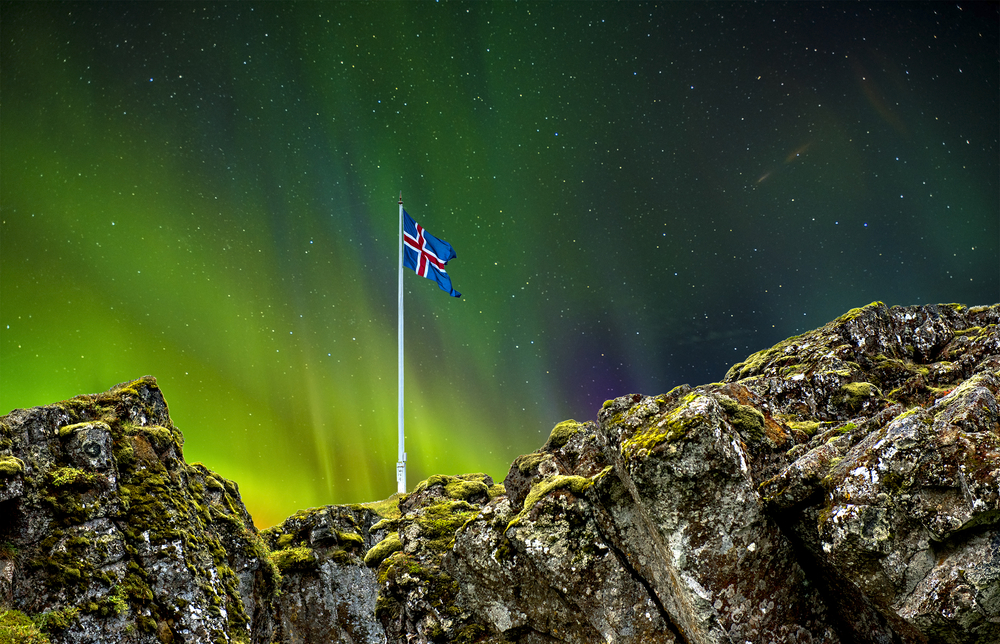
pixel 639 194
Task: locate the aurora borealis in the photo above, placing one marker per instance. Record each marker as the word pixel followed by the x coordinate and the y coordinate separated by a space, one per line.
pixel 639 195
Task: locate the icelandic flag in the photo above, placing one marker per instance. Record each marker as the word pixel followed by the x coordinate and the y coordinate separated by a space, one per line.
pixel 426 255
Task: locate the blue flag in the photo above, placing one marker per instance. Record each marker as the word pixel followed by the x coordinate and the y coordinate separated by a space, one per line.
pixel 426 255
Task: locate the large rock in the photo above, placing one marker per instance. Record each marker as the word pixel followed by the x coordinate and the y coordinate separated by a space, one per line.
pixel 839 487
pixel 110 536
pixel 842 486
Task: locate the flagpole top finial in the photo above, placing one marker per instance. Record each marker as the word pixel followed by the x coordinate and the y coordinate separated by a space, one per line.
pixel 400 197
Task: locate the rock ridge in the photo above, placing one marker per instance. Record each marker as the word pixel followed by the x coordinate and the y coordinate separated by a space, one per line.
pixel 841 486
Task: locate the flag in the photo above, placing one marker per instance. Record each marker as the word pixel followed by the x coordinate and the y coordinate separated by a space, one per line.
pixel 426 255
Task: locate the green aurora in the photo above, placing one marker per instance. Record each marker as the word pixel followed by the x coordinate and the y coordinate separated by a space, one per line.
pixel 639 194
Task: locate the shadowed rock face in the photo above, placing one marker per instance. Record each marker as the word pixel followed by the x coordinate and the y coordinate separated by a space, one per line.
pixel 842 486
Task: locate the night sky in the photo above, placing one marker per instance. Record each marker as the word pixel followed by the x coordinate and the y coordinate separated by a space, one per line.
pixel 639 194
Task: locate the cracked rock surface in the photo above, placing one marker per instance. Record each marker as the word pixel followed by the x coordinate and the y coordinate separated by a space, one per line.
pixel 841 486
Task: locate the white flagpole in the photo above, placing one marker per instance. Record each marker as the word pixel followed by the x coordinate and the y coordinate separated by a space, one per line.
pixel 401 462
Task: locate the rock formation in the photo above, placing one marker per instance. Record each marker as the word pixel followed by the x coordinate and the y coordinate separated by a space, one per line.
pixel 842 486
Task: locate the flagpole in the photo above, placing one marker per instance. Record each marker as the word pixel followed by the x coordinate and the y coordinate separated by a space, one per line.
pixel 401 461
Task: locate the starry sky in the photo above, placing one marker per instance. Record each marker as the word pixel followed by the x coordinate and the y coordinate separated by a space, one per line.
pixel 639 195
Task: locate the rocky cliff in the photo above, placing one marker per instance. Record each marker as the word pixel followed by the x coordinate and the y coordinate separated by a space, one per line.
pixel 842 486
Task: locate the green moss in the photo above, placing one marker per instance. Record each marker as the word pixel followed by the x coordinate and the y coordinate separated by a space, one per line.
pixel 846 428
pixel 135 588
pixel 67 430
pixel 746 420
pixel 18 628
pixel 471 633
pixel 526 463
pixel 350 540
pixel 496 490
pixel 340 557
pixel 56 621
pixel 161 438
pixel 213 484
pixel 854 395
pixel 440 522
pixel 385 524
pixel 562 433
pixel 465 490
pixel 301 558
pixel 284 541
pixel 109 605
pixel 146 624
pixel 757 362
pixel 68 494
pixel 10 466
pixel 791 370
pixel 437 479
pixel 156 505
pixel 269 571
pixel 387 509
pixel 123 452
pixel 63 569
pixel 575 484
pixel 808 427
pixel 381 551
pixel 674 426
pixel 69 477
pixel 894 482
pixel 854 313
pixel 460 488
pixel 976 331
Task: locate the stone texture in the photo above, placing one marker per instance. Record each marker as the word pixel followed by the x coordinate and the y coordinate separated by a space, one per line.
pixel 842 486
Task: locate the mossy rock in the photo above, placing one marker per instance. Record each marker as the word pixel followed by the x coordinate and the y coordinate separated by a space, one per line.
pixel 807 427
pixel 466 490
pixel 17 628
pixel 749 422
pixel 70 477
pixel 858 312
pixel 561 434
pixel 381 551
pixel 671 427
pixel 301 558
pixel 854 395
pixel 527 464
pixel 10 466
pixel 576 485
pixel 439 522
pixel 57 621
pixel 387 509
pixel 465 487
pixel 350 540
